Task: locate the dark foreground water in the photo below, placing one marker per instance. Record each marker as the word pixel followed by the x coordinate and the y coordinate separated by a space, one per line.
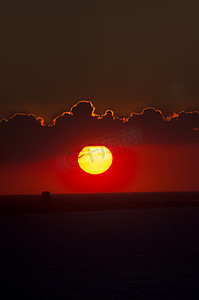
pixel 135 254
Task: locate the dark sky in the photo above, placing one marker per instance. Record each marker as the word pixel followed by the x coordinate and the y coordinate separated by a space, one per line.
pixel 123 55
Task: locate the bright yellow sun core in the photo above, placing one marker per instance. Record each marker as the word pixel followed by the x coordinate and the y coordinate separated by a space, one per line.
pixel 95 159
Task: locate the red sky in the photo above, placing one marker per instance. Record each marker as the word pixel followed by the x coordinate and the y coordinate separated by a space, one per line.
pixel 150 152
pixel 152 168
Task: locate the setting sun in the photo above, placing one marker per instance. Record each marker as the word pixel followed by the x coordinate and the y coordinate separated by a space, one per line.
pixel 95 159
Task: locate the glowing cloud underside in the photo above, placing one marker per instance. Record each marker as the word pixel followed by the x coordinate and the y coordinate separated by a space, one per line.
pixel 95 159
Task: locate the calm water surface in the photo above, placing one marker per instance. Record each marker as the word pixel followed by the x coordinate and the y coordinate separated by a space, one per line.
pixel 135 254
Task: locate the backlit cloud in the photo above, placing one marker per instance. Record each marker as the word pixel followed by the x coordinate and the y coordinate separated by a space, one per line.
pixel 25 137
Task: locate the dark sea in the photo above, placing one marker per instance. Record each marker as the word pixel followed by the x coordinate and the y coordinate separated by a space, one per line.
pixel 124 254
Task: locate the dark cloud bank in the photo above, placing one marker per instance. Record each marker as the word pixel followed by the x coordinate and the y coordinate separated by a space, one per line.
pixel 26 138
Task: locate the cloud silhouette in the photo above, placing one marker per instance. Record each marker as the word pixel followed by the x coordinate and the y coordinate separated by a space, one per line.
pixel 25 137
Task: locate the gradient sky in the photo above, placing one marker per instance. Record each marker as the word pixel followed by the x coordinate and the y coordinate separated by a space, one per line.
pixel 150 153
pixel 123 55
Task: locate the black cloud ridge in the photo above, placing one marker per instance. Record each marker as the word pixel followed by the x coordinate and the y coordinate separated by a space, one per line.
pixel 24 137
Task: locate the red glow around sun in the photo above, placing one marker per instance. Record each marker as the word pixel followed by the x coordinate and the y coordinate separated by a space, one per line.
pixel 121 174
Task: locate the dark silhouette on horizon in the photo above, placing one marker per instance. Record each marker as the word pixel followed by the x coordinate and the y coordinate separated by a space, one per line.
pixel 46 203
